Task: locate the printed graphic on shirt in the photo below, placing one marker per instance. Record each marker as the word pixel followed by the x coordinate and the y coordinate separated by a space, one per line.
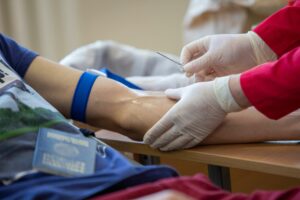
pixel 21 109
pixel 8 79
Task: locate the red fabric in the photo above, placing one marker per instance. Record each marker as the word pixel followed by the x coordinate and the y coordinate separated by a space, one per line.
pixel 292 2
pixel 281 31
pixel 273 88
pixel 198 187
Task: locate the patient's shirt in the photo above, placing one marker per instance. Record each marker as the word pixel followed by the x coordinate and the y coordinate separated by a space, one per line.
pixel 22 112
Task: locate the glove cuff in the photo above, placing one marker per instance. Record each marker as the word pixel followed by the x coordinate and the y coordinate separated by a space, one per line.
pixel 263 53
pixel 224 96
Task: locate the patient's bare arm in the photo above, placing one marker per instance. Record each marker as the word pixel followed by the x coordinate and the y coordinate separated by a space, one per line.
pixel 251 126
pixel 114 107
pixel 111 105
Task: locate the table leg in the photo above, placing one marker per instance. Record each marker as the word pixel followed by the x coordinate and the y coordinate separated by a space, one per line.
pixel 220 176
pixel 146 159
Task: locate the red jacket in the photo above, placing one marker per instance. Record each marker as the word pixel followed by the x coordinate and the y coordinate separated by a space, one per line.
pixel 273 88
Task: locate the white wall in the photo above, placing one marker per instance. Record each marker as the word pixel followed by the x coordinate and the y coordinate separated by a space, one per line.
pixel 55 27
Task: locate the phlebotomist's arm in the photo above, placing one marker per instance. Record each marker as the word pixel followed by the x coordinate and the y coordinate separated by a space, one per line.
pixel 273 88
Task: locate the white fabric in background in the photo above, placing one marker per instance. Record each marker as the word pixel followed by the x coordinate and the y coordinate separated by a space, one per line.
pixel 121 59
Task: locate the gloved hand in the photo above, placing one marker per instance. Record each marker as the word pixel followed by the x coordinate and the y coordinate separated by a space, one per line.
pixel 200 110
pixel 224 54
pixel 161 83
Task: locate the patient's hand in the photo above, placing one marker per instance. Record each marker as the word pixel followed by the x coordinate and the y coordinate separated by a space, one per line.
pixel 142 112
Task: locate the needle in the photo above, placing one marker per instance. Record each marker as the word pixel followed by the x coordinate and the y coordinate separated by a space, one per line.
pixel 174 61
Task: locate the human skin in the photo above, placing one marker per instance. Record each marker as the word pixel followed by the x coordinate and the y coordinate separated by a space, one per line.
pixel 111 105
pixel 251 126
pixel 114 107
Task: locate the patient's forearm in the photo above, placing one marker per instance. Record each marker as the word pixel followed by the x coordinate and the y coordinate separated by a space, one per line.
pixel 130 113
pixel 251 126
pixel 114 107
pixel 111 105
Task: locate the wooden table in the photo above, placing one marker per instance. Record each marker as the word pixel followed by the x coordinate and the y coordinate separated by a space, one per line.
pixel 278 159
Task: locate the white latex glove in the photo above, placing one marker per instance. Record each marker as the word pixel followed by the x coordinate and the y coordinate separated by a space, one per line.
pixel 200 110
pixel 224 54
pixel 161 83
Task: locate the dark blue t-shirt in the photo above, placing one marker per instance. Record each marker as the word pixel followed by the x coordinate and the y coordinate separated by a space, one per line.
pixel 16 56
pixel 22 112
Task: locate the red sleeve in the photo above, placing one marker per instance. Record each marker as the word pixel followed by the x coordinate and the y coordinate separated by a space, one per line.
pixel 274 88
pixel 281 31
